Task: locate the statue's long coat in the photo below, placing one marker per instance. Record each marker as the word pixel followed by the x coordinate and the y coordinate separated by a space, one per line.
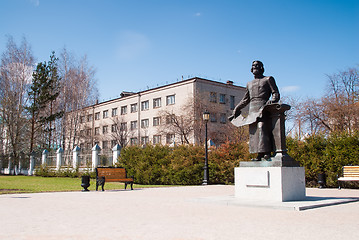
pixel 257 95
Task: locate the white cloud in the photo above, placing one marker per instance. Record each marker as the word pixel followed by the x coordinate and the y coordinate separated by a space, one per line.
pixel 290 89
pixel 36 3
pixel 132 45
pixel 198 14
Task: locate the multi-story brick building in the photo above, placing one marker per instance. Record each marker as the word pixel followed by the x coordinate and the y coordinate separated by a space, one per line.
pixel 164 115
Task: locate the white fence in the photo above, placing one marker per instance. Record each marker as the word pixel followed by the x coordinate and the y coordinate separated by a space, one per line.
pixel 79 160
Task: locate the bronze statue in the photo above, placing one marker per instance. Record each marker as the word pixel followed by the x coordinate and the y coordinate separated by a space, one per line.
pixel 258 94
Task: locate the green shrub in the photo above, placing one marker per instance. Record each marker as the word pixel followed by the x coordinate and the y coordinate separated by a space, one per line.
pixel 325 154
pixel 181 165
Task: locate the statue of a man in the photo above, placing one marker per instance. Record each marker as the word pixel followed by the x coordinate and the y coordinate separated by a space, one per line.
pixel 258 94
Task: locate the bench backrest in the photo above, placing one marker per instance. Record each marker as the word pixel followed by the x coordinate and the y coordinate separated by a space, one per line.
pixel 111 173
pixel 351 171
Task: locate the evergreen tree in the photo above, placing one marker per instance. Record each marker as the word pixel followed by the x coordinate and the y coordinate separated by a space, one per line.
pixel 44 90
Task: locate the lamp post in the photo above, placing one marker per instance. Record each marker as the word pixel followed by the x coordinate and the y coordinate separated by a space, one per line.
pixel 205 174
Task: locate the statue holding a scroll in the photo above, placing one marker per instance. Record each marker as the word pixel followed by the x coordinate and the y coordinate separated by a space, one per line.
pixel 262 93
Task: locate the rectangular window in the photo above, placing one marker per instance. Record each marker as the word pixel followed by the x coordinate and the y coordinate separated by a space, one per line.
pixel 213 117
pixel 144 123
pixel 123 110
pixel 97 116
pixel 123 126
pixel 222 98
pixel 213 97
pixel 231 102
pixel 145 105
pixel 144 140
pixel 113 143
pixel 82 119
pixel 88 132
pixel 156 121
pixel 133 141
pixel 170 118
pixel 114 112
pixel 104 129
pixel 170 100
pixel 89 118
pixel 156 102
pixel 104 144
pixel 133 107
pixel 114 128
pixel 105 114
pixel 156 139
pixel 82 132
pixel 97 131
pixel 223 118
pixel 133 125
pixel 170 138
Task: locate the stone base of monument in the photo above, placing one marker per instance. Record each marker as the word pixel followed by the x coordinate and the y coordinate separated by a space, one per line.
pixel 269 183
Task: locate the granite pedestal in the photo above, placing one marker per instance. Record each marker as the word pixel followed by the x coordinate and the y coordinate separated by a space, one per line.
pixel 271 181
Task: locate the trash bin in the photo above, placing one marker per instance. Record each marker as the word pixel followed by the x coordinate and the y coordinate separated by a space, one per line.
pixel 85 183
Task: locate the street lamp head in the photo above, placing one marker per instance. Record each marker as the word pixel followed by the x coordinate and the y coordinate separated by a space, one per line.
pixel 205 116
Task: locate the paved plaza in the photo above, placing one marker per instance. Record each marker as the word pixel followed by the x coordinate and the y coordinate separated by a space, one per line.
pixel 172 213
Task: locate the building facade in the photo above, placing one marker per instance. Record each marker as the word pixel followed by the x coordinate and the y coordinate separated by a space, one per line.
pixel 170 114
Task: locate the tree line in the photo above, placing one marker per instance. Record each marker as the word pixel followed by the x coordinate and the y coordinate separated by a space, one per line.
pixel 35 96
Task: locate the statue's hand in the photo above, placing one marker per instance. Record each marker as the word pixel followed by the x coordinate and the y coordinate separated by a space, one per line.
pixel 230 118
pixel 234 115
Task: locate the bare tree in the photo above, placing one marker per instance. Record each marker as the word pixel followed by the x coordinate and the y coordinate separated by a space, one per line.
pixel 119 131
pixel 17 63
pixel 78 91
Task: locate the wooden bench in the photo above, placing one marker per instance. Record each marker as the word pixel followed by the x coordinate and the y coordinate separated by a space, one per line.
pixel 350 173
pixel 112 174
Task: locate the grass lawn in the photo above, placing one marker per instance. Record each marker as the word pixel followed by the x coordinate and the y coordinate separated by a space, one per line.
pixel 32 184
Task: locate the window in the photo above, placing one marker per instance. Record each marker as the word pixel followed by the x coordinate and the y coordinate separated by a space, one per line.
pixel 170 118
pixel 113 128
pixel 82 119
pixel 231 102
pixel 170 138
pixel 82 132
pixel 156 139
pixel 223 118
pixel 89 118
pixel 123 126
pixel 114 112
pixel 113 143
pixel 123 110
pixel 213 117
pixel 104 144
pixel 145 105
pixel 222 98
pixel 170 100
pixel 144 123
pixel 105 114
pixel 144 140
pixel 156 121
pixel 134 107
pixel 133 125
pixel 213 97
pixel 133 141
pixel 104 129
pixel 156 102
pixel 97 116
pixel 88 132
pixel 97 131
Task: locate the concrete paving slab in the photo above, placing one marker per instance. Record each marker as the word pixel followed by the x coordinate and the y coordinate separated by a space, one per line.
pixel 308 203
pixel 169 214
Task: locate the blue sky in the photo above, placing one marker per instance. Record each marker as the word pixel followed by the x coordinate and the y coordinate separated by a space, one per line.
pixel 140 44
